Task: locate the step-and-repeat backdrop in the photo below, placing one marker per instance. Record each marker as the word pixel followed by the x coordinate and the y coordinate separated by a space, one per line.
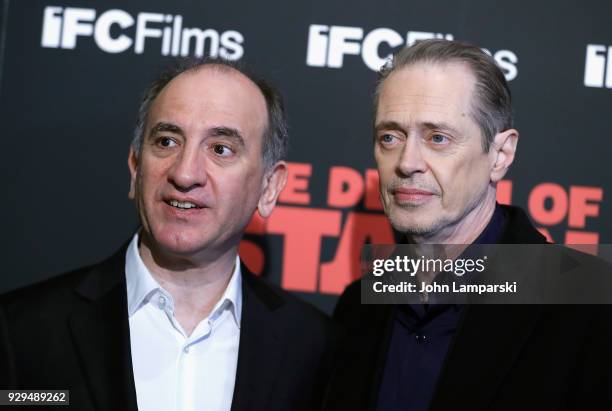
pixel 72 72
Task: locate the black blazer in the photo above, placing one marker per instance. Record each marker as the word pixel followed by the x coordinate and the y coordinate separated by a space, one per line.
pixel 72 332
pixel 503 357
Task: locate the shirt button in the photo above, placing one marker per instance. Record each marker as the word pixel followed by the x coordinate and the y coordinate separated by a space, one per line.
pixel 161 301
pixel 186 350
pixel 420 338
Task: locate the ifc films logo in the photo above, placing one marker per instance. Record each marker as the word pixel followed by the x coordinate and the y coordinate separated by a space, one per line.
pixel 113 31
pixel 598 66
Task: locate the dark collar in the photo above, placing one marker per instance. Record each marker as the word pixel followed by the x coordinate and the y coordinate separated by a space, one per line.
pixel 518 229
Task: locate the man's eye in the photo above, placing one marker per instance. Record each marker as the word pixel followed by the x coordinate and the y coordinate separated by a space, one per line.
pixel 387 139
pixel 166 142
pixel 221 150
pixel 439 139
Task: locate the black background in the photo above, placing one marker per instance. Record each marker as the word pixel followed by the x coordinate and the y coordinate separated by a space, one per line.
pixel 67 115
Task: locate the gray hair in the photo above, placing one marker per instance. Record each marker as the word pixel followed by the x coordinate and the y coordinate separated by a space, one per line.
pixel 492 102
pixel 275 142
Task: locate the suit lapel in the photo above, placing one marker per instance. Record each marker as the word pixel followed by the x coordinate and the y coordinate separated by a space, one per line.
pixel 261 350
pixel 487 344
pixel 375 345
pixel 360 363
pixel 101 336
pixel 489 338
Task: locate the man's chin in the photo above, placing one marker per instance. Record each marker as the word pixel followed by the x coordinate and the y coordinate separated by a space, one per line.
pixel 414 226
pixel 180 244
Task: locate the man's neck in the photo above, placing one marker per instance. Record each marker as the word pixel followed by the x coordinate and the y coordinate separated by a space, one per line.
pixel 195 288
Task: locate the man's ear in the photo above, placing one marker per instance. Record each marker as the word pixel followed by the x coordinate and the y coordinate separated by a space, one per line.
pixel 503 149
pixel 133 166
pixel 274 182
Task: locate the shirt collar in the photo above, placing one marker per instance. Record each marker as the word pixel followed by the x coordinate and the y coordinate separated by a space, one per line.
pixel 141 285
pixel 232 297
pixel 140 282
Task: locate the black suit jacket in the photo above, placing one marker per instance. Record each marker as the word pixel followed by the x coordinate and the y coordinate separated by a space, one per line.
pixel 503 357
pixel 72 332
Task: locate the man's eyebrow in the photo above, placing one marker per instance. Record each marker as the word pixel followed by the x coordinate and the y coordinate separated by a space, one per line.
pixel 428 125
pixel 228 132
pixel 166 127
pixel 388 125
pixel 439 126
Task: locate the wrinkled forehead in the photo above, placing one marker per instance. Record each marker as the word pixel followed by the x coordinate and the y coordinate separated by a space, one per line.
pixel 213 91
pixel 422 89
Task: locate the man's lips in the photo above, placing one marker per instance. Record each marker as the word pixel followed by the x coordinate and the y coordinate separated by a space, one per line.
pixel 184 203
pixel 411 194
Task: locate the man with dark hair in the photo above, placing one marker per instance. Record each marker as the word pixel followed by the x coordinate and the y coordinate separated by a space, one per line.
pixel 174 320
pixel 443 139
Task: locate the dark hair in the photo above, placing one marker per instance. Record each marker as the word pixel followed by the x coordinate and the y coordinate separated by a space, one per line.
pixel 275 138
pixel 492 100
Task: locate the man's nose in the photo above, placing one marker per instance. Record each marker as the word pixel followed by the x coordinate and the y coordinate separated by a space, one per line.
pixel 411 160
pixel 189 169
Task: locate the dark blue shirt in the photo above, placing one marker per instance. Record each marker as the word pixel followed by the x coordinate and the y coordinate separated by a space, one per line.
pixel 419 342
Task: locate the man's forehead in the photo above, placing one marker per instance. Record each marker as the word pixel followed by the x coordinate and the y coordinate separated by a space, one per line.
pixel 206 77
pixel 421 109
pixel 213 89
pixel 437 89
pixel 399 103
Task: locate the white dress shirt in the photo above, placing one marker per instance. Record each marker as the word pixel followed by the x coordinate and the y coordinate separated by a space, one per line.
pixel 173 371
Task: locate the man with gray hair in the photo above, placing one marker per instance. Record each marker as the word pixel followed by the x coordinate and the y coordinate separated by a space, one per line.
pixel 174 320
pixel 443 139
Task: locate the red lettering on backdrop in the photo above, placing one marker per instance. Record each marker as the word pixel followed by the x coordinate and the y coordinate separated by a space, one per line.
pixel 359 227
pixel 536 201
pixel 250 253
pixel 584 241
pixel 252 256
pixel 295 191
pixel 580 208
pixel 372 194
pixel 303 229
pixel 257 225
pixel 504 192
pixel 345 187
